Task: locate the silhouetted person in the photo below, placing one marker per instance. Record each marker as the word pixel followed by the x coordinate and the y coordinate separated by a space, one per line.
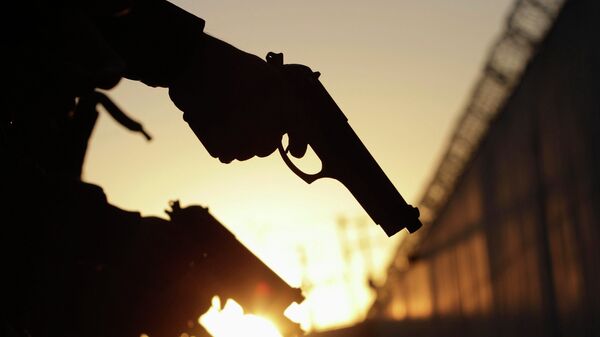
pixel 73 264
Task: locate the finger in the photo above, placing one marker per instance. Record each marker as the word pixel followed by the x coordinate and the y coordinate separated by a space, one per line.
pixel 297 144
pixel 259 130
pixel 240 140
pixel 268 144
pixel 271 133
pixel 208 137
pixel 226 159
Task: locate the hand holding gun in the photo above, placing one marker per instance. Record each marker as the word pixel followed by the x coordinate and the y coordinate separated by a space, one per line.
pixel 239 107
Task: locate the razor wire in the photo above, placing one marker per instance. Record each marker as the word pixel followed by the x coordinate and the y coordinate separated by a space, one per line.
pixel 526 27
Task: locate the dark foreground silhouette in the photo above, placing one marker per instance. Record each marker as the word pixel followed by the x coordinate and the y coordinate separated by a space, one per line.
pixel 75 265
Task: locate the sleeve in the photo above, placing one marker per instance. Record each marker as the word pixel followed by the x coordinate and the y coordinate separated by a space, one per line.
pixel 156 39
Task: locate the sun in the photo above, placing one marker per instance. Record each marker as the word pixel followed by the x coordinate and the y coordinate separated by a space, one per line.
pixel 231 321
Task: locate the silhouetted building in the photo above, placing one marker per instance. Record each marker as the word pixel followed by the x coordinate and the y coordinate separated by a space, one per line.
pixel 511 241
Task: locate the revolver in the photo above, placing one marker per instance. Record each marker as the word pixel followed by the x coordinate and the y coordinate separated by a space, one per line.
pixel 343 156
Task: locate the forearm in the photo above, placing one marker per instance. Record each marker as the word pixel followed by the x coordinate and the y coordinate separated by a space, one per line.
pixel 156 39
pixel 233 100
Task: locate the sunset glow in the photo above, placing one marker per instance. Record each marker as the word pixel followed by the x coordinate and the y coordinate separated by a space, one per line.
pixel 400 71
pixel 231 321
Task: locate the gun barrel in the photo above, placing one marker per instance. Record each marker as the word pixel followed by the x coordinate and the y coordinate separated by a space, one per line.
pixel 354 167
pixel 346 159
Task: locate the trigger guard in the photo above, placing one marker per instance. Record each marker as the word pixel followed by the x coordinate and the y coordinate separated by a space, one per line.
pixel 308 178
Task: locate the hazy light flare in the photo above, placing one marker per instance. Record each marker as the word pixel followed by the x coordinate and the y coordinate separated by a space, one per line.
pixel 231 321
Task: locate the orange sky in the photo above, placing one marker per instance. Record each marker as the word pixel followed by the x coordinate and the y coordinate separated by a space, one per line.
pixel 400 70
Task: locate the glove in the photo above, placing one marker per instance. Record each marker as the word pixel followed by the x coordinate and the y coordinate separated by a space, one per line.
pixel 237 105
